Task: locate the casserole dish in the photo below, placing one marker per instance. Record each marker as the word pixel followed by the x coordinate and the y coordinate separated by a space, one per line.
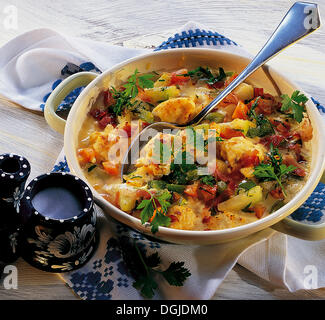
pixel 272 81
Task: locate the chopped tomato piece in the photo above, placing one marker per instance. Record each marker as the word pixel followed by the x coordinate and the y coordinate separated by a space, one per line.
pixel 127 128
pixel 230 79
pixel 111 168
pixel 86 155
pixel 277 193
pixel 191 190
pixel 228 133
pixel 179 77
pixel 258 92
pixel 240 111
pixel 231 98
pixel 173 218
pixel 206 193
pixel 259 210
pixel 143 194
pixel 206 219
pixel 249 159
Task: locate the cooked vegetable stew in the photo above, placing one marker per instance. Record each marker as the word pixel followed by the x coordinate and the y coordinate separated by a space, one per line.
pixel 260 146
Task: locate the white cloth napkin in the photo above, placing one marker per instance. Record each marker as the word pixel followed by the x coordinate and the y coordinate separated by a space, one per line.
pixel 32 64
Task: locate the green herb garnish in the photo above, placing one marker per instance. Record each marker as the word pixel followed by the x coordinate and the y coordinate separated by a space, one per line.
pixel 263 125
pixel 273 170
pixel 295 103
pixel 157 206
pixel 208 180
pixel 123 98
pixel 175 274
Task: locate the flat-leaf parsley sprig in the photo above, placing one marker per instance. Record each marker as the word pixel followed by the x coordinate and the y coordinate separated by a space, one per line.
pixel 295 103
pixel 274 169
pixel 144 268
pixel 154 210
pixel 130 91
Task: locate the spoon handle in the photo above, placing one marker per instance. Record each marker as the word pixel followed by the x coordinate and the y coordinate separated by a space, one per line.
pixel 301 20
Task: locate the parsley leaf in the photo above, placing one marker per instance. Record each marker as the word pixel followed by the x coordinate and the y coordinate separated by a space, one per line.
pixel 155 210
pixel 123 98
pixel 143 268
pixel 145 82
pixel 208 180
pixel 176 274
pixel 295 103
pixel 206 75
pixel 273 170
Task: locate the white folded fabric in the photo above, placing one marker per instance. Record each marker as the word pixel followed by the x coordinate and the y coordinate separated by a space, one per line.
pixel 32 64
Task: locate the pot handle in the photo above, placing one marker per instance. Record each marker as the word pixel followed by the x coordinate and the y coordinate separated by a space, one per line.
pixel 77 80
pixel 302 230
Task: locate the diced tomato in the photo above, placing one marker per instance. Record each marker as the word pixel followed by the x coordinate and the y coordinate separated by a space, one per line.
pixel 277 193
pixel 259 210
pixel 143 96
pixel 231 98
pixel 249 159
pixel 86 155
pixel 206 193
pixel 258 92
pixel 240 111
pixel 206 219
pixel 111 168
pixel 227 133
pixel 173 218
pixel 143 194
pixel 127 128
pixel 179 77
pixel 145 124
pixel 108 98
pixel 191 190
pixel 230 79
pixel 107 119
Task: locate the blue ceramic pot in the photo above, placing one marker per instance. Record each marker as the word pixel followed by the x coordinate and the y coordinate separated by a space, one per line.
pixel 14 171
pixel 63 239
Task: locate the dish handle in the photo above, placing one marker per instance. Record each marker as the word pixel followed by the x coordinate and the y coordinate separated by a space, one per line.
pixel 77 80
pixel 302 229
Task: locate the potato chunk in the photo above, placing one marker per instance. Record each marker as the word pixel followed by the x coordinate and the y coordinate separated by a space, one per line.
pixel 234 148
pixel 176 110
pixel 242 200
pixel 244 92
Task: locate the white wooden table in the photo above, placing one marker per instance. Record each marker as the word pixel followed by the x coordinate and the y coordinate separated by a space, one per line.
pixel 125 22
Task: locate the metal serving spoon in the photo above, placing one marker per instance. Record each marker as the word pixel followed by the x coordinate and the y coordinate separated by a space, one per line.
pixel 301 20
